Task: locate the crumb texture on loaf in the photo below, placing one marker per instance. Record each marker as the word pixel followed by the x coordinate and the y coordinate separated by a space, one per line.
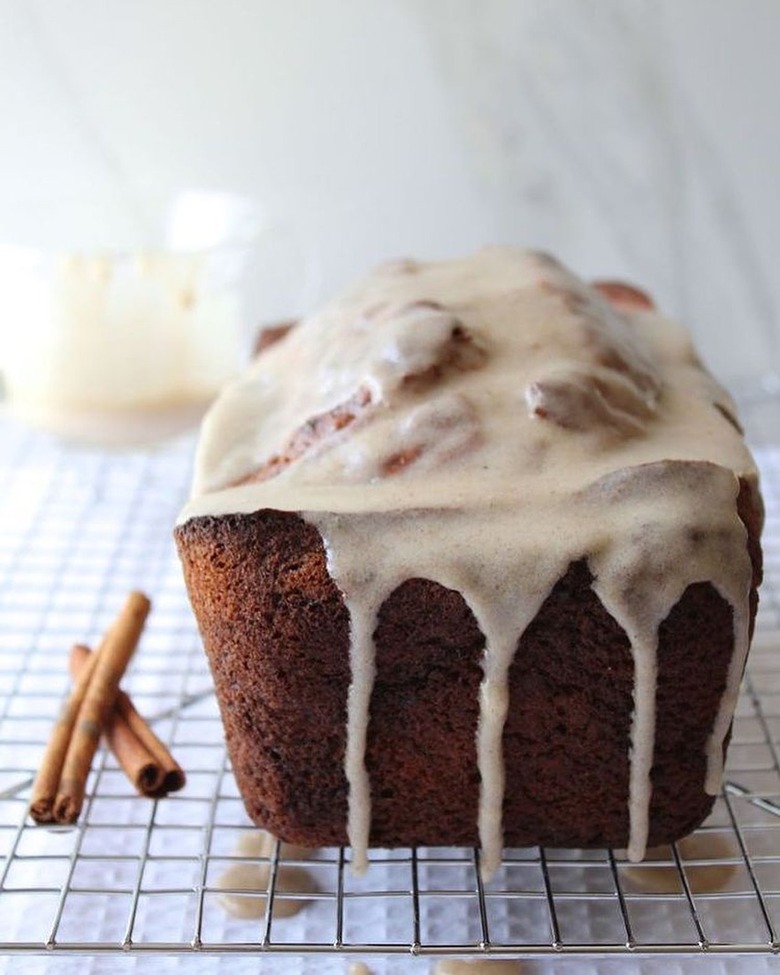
pixel 506 476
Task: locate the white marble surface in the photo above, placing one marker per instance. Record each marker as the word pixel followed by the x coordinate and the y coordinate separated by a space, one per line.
pixel 633 137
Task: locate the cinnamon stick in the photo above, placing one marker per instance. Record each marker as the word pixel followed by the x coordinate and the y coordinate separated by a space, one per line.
pixel 143 757
pixel 111 661
pixel 47 780
pixel 173 775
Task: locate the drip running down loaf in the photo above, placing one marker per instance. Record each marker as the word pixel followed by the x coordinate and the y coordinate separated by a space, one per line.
pixel 474 554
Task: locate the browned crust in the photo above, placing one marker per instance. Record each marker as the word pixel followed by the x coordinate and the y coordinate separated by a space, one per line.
pixel 624 295
pixel 315 430
pixel 277 635
pixel 459 352
pixel 269 335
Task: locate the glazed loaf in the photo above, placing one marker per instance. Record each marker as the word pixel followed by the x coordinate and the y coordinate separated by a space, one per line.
pixel 474 553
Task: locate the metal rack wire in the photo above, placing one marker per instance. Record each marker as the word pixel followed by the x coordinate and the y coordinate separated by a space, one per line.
pixel 77 530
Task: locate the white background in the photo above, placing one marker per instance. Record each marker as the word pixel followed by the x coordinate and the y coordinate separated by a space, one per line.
pixel 632 137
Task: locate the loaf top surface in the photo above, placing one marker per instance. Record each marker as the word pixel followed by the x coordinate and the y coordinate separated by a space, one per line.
pixel 460 382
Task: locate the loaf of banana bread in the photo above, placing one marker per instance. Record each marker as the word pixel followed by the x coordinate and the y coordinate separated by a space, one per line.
pixel 474 553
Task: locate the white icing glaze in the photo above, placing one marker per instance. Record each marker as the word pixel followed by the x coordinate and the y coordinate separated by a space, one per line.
pixel 525 424
pixel 729 701
pixel 359 968
pixel 477 966
pixel 245 885
pixel 260 843
pixel 710 861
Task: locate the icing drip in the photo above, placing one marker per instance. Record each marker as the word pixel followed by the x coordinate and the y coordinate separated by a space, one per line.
pixel 503 622
pixel 493 708
pixel 644 645
pixel 503 422
pixel 641 584
pixel 638 584
pixel 501 604
pixel 364 588
pixel 729 701
pixel 361 655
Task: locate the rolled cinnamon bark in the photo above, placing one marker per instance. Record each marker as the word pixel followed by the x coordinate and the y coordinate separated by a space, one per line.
pixel 142 756
pixel 47 780
pixel 111 662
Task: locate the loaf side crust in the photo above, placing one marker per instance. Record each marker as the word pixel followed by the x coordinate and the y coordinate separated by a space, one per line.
pixel 276 632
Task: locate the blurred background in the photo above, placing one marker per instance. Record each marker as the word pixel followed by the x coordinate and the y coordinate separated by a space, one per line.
pixel 633 138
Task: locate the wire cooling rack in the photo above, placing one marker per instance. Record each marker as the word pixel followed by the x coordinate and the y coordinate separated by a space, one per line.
pixel 77 531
